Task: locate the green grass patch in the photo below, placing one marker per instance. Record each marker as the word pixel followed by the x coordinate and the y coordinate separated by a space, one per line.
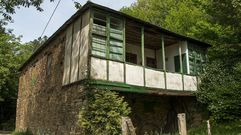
pixel 233 128
pixel 27 132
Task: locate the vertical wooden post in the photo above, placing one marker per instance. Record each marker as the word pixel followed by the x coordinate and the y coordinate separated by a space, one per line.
pixel 108 45
pixel 143 53
pixel 182 124
pixel 181 64
pixel 209 128
pixel 164 59
pixel 124 48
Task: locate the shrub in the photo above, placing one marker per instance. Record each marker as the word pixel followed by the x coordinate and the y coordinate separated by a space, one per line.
pixel 102 112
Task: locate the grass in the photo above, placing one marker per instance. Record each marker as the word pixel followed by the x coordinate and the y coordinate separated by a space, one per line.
pixel 28 132
pixel 233 128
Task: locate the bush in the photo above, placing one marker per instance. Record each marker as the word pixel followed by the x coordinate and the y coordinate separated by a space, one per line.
pixel 27 132
pixel 102 112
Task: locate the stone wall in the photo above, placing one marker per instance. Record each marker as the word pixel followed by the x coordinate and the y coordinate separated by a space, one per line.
pixel 159 113
pixel 43 105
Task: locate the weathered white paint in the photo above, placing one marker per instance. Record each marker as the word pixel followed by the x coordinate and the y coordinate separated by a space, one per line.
pixel 172 51
pixel 190 83
pixel 154 79
pixel 116 71
pixel 174 81
pixel 67 56
pixel 187 57
pixel 75 51
pixel 98 69
pixel 84 46
pixel 134 75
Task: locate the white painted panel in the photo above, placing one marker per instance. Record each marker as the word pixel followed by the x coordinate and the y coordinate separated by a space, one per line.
pixel 134 75
pixel 98 69
pixel 67 56
pixel 154 78
pixel 84 46
pixel 116 71
pixel 75 51
pixel 174 81
pixel 190 83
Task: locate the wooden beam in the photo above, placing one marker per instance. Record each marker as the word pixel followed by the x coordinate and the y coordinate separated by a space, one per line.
pixel 143 52
pixel 164 59
pixel 181 64
pixel 124 48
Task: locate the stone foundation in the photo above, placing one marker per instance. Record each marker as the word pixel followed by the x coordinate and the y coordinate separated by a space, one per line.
pixel 159 113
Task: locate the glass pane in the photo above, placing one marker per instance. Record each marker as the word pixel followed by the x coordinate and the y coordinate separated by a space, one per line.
pixel 99 25
pixel 99 46
pixel 115 43
pixel 116 23
pixel 116 50
pixel 99 53
pixel 116 56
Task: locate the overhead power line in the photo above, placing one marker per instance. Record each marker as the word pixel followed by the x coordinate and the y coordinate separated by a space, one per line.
pixel 50 18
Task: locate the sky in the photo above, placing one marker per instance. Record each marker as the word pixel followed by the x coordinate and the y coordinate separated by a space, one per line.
pixel 29 23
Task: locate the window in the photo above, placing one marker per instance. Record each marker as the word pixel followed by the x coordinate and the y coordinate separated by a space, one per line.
pixel 177 63
pixel 116 39
pixel 132 58
pixel 151 62
pixel 99 37
pixel 102 31
pixel 48 64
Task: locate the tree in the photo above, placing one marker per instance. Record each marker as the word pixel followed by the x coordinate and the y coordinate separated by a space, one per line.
pixel 36 43
pixel 221 84
pixel 228 14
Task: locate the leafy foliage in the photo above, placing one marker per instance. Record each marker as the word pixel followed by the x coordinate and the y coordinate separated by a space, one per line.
pixel 221 83
pixel 102 113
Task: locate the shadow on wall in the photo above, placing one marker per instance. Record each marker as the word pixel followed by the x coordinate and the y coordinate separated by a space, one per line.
pixel 151 113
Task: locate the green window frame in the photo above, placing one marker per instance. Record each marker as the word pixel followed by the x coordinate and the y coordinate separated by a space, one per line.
pixel 107 36
pixel 177 63
pixel 99 35
pixel 116 39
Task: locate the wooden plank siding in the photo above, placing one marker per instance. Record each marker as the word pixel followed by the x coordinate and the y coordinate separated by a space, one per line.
pixel 75 51
pixel 67 55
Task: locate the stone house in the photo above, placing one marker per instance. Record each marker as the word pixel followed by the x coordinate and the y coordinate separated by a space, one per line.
pixel 153 68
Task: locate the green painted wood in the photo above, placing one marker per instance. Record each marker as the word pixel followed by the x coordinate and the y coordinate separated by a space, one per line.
pixel 108 45
pixel 124 48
